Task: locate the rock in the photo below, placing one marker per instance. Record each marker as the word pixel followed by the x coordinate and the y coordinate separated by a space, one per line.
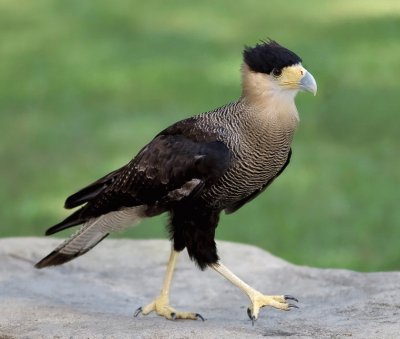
pixel 96 295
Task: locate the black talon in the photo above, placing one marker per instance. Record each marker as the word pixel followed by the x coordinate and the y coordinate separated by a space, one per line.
pixel 251 316
pixel 137 312
pixel 199 316
pixel 173 316
pixel 293 306
pixel 249 313
pixel 289 297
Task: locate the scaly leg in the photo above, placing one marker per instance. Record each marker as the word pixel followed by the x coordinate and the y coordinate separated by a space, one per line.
pixel 258 300
pixel 161 304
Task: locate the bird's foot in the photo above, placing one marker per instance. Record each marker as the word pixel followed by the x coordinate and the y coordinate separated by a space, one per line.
pixel 259 300
pixel 161 306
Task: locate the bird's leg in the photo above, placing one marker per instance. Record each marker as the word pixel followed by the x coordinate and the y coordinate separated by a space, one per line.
pixel 161 304
pixel 257 299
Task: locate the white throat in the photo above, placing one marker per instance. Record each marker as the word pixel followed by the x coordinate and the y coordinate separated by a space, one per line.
pixel 268 99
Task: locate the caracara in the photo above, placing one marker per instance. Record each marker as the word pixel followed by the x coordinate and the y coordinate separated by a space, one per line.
pixel 195 169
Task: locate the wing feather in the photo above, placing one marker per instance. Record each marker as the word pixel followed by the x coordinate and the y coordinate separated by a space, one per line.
pixel 176 165
pixel 153 178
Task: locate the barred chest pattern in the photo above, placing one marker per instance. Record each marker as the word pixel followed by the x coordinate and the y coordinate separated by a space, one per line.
pixel 260 148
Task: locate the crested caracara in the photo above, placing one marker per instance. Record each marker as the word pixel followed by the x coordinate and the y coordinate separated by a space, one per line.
pixel 195 169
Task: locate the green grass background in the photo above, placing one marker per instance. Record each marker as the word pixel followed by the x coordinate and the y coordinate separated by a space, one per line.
pixel 85 84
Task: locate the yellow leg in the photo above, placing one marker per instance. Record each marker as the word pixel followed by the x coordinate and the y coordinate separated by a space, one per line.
pixel 161 304
pixel 257 299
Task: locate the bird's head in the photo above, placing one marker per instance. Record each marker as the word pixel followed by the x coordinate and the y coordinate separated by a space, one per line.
pixel 270 69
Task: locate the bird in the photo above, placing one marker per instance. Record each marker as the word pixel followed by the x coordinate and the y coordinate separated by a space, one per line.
pixel 195 169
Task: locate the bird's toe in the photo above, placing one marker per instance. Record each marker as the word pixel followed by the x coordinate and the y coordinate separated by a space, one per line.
pixel 199 316
pixel 138 311
pixel 290 297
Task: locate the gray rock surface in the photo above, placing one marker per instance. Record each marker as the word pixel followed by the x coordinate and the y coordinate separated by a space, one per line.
pixel 95 295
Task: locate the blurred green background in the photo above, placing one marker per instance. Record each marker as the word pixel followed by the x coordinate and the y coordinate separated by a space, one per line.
pixel 84 85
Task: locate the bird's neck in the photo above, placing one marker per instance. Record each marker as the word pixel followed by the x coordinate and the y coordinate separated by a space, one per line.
pixel 265 105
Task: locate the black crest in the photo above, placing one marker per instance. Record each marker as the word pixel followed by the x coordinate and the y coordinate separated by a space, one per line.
pixel 265 57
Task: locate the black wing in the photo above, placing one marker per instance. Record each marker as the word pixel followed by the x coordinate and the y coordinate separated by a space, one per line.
pixel 91 191
pixel 171 167
pixel 234 207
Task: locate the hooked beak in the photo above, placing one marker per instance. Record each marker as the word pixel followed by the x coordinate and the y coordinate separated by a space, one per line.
pixel 308 83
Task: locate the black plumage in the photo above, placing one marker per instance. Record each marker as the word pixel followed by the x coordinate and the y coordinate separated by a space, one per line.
pixel 266 57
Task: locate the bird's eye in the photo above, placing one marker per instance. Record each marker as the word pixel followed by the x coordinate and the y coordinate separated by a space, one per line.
pixel 276 72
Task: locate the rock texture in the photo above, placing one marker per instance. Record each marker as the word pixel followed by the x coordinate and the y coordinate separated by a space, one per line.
pixel 96 295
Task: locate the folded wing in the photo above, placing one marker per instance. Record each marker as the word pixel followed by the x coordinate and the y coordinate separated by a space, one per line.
pixel 169 169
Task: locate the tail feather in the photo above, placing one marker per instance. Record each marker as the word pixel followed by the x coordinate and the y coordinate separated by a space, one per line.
pixel 91 233
pixel 79 243
pixel 57 257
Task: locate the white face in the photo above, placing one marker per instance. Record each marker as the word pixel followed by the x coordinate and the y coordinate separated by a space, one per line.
pixel 293 78
pixel 285 84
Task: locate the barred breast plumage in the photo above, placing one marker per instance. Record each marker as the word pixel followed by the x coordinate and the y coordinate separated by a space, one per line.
pixel 259 150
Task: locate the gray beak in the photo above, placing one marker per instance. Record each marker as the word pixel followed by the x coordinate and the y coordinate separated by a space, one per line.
pixel 308 83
